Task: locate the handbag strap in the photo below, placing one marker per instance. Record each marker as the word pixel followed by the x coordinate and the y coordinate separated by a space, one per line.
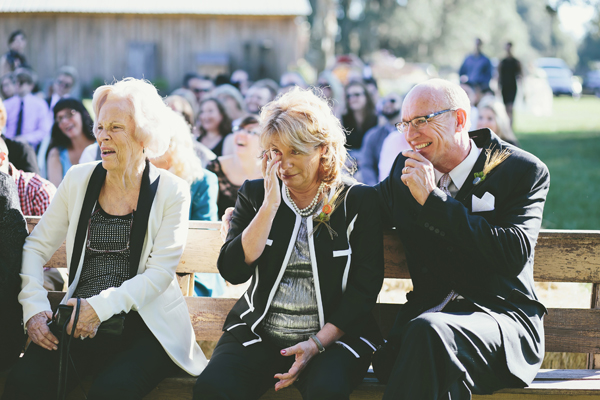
pixel 63 360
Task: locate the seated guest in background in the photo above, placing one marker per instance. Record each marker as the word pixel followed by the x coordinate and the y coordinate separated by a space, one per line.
pixel 123 268
pixel 189 96
pixel 333 91
pixel 213 124
pixel 71 134
pixel 8 86
pixel 200 85
pixel 472 324
pixel 181 160
pixel 15 57
pixel 474 99
pixel 22 154
pixel 492 114
pixel 235 106
pixel 259 94
pixel 240 79
pixel 233 101
pixel 63 84
pixel 241 165
pixel 304 319
pixel 28 118
pixel 13 231
pixel 360 115
pixel 372 145
pixel 289 80
pixel 35 192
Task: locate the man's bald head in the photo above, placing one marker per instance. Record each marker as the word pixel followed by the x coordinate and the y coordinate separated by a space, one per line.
pixel 441 95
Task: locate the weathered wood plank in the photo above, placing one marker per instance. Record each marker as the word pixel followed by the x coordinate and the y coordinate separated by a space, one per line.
pixel 561 256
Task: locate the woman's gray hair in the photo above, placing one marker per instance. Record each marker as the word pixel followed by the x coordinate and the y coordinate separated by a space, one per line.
pixel 153 119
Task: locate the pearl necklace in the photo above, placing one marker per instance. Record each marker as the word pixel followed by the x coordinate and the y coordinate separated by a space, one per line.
pixel 305 212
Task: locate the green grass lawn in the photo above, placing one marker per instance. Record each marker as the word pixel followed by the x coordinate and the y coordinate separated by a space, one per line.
pixel 568 142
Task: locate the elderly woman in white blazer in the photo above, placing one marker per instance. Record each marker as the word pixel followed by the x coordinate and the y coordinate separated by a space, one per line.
pixel 125 223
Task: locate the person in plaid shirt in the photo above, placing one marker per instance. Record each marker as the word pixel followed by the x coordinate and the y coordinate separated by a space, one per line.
pixel 35 192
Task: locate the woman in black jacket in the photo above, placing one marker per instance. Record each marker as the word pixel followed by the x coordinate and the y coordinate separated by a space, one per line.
pixel 311 243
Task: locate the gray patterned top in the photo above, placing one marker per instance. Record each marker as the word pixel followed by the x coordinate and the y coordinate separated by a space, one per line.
pixel 293 314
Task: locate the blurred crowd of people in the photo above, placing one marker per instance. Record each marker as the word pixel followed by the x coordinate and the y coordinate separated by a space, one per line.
pixel 46 133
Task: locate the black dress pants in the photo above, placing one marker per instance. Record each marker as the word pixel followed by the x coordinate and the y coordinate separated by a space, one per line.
pixel 236 372
pixel 128 366
pixel 449 355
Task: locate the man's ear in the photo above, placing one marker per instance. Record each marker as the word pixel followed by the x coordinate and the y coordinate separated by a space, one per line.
pixel 461 120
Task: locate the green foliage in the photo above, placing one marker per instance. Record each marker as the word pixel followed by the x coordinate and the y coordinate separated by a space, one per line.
pixel 569 143
pixel 442 32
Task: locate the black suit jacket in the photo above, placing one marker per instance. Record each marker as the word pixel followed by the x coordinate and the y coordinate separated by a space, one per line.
pixel 13 231
pixel 349 266
pixel 487 257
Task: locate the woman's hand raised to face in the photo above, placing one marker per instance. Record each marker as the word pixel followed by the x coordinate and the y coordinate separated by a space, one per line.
pixel 272 190
pixel 38 331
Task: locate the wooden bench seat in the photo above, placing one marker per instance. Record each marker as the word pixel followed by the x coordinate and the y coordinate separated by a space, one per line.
pixel 561 256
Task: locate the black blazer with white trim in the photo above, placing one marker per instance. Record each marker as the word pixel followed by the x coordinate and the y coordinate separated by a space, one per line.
pixel 348 269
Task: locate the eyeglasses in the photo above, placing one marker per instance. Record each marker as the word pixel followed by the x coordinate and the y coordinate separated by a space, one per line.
pixel 200 90
pixel 88 244
pixel 69 115
pixel 65 84
pixel 420 122
pixel 350 95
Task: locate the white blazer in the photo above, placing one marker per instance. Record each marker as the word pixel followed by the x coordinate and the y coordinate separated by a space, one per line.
pixel 154 292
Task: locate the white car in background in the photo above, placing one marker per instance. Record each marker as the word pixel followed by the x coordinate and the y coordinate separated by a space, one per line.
pixel 559 76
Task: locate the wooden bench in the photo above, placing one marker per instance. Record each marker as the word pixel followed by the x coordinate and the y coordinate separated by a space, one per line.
pixel 561 256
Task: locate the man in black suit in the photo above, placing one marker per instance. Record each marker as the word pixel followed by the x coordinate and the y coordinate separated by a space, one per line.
pixel 473 323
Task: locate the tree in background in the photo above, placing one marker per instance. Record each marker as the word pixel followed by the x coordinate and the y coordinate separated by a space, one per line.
pixel 440 31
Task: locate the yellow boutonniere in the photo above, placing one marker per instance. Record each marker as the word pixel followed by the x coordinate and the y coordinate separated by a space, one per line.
pixel 492 160
pixel 330 204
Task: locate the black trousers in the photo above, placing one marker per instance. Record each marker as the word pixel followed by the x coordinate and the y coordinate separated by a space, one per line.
pixel 128 366
pixel 236 372
pixel 449 355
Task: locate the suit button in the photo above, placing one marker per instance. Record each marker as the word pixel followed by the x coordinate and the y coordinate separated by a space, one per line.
pixel 426 224
pixel 437 231
pixel 424 270
pixel 431 228
pixel 450 248
pixel 442 233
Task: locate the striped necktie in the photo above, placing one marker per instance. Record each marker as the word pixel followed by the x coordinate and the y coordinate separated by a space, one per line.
pixel 444 183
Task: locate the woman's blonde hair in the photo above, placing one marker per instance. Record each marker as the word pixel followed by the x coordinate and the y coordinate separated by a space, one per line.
pixel 184 162
pixel 153 119
pixel 302 120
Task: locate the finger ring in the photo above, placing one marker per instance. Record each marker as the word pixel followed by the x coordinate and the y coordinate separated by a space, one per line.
pixel 82 337
pixel 404 170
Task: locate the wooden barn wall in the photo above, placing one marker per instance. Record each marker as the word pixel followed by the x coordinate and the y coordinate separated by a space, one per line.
pixel 97 45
